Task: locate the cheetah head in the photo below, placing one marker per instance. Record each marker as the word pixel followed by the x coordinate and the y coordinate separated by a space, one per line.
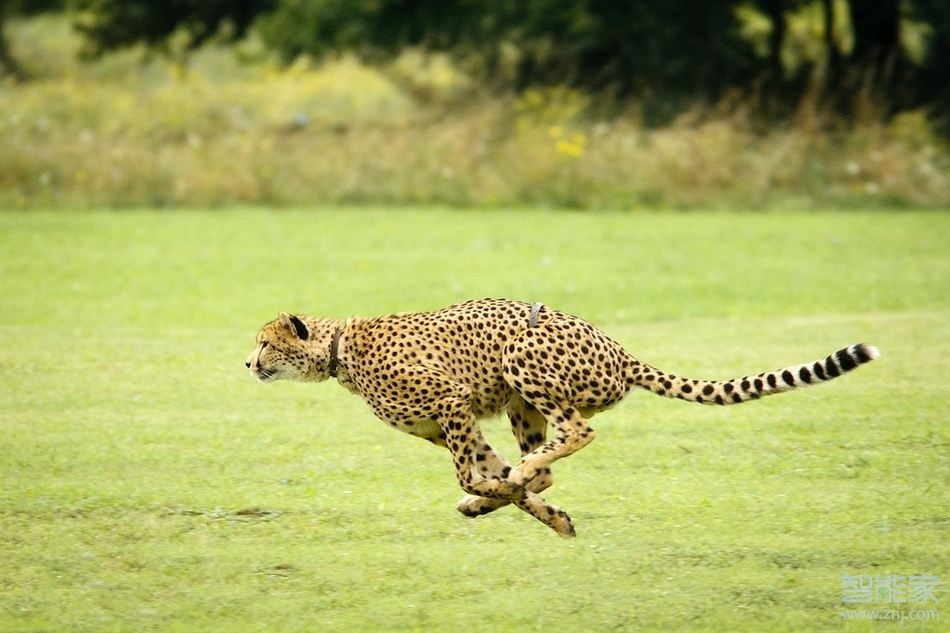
pixel 290 348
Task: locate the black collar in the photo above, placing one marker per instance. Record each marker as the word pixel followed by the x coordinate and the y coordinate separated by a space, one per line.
pixel 334 363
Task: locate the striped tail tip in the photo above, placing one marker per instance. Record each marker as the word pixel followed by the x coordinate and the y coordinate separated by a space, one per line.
pixel 850 357
pixel 828 368
pixel 748 388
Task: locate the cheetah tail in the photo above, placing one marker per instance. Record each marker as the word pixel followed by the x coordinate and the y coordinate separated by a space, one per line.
pixel 752 387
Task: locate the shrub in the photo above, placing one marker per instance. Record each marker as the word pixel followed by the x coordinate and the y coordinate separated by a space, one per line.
pixel 120 132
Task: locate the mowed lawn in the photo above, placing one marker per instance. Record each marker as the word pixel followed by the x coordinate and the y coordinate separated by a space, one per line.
pixel 148 483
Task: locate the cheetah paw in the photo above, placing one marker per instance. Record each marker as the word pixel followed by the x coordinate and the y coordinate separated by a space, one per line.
pixel 521 476
pixel 561 523
pixel 474 506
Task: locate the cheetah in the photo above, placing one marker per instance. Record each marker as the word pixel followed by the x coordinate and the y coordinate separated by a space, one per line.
pixel 434 375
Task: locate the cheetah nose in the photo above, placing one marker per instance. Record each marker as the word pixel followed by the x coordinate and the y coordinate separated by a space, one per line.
pixel 247 364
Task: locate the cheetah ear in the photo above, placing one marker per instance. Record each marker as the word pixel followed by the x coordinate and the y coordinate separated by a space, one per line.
pixel 294 324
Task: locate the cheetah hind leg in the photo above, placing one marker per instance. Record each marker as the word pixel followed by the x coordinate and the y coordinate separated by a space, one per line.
pixel 490 464
pixel 529 428
pixel 572 434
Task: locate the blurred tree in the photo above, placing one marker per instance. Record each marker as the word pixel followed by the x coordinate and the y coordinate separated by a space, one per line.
pixel 775 10
pixel 112 24
pixel 675 51
pixel 8 62
pixel 628 45
pixel 875 26
pixel 832 49
pixel 933 78
pixel 876 58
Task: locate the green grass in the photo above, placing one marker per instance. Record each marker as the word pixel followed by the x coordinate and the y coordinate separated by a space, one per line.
pixel 150 484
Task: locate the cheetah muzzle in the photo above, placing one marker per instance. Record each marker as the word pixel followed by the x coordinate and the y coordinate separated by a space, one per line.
pixel 435 374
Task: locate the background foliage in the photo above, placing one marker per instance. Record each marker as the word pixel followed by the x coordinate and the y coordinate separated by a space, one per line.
pixel 578 103
pixel 234 124
pixel 674 50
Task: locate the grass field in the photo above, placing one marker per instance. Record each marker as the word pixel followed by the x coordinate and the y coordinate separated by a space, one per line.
pixel 150 484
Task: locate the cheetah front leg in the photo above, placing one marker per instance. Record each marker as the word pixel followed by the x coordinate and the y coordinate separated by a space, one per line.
pixel 529 428
pixel 489 464
pixel 487 477
pixel 492 465
pixel 479 469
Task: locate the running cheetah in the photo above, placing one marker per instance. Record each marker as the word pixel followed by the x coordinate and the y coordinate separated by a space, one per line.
pixel 435 374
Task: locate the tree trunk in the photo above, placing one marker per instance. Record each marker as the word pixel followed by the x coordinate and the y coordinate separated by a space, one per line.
pixel 832 52
pixel 876 27
pixel 8 63
pixel 775 9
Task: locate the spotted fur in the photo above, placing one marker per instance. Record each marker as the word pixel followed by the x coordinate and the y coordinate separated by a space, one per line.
pixel 435 374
